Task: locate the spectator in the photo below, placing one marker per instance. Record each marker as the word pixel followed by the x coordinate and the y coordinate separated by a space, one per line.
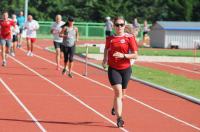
pixel 146 30
pixel 108 26
pixel 136 27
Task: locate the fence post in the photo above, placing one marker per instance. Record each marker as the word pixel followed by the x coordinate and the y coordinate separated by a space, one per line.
pixel 86 61
pixel 87 30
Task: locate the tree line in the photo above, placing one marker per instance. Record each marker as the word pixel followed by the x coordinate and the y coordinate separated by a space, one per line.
pixel 97 10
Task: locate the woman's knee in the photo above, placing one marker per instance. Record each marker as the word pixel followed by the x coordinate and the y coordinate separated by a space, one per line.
pixel 118 91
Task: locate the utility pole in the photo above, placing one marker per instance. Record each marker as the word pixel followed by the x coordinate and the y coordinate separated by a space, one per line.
pixel 26 10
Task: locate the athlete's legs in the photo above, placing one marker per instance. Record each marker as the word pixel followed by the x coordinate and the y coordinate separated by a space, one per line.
pixel 3 52
pixel 58 54
pixel 118 95
pixel 71 55
pixel 28 41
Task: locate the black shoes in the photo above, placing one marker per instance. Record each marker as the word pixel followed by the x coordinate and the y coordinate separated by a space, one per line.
pixel 113 111
pixel 64 71
pixel 4 63
pixel 70 75
pixel 120 122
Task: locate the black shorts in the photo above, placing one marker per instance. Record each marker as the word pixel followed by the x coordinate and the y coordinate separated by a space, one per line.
pixel 15 38
pixel 68 53
pixel 144 33
pixel 119 76
pixel 108 33
pixel 20 30
pixel 57 44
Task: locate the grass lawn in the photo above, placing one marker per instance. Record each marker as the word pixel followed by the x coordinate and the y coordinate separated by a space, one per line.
pixel 176 82
pixel 167 52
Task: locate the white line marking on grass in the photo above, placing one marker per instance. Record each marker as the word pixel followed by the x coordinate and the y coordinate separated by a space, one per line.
pixel 67 93
pixel 131 98
pixel 175 67
pixel 23 106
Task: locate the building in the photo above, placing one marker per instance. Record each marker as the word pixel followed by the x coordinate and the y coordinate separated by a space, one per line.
pixel 169 34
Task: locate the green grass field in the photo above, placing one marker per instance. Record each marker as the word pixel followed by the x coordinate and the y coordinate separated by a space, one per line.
pixel 176 82
pixel 168 52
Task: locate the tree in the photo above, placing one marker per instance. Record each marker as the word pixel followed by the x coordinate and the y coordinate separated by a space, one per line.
pixel 97 10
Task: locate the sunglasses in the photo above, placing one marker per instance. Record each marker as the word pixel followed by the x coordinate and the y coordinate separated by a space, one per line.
pixel 119 24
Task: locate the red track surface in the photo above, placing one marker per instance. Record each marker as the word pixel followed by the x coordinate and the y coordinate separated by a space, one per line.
pixel 53 100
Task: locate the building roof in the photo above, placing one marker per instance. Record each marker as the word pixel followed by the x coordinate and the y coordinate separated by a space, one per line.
pixel 175 25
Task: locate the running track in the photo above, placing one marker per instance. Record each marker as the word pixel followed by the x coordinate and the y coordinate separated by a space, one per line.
pixel 36 97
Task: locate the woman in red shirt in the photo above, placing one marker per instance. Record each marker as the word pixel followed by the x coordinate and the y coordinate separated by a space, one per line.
pixel 6 38
pixel 120 48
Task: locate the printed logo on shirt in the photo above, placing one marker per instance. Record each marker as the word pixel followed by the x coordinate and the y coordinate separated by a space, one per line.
pixel 122 41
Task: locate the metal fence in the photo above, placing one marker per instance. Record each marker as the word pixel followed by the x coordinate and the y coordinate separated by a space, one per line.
pixel 86 30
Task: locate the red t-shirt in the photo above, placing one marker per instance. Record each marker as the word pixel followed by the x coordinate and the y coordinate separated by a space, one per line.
pixel 123 44
pixel 0 31
pixel 6 28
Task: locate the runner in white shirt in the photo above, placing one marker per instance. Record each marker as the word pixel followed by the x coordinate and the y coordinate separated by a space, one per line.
pixel 31 26
pixel 57 40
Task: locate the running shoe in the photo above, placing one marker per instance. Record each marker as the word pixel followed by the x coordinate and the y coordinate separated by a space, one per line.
pixel 64 71
pixel 120 122
pixel 12 54
pixel 31 54
pixel 4 63
pixel 113 111
pixel 28 53
pixel 70 75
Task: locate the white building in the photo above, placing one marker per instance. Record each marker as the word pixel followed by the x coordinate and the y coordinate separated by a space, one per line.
pixel 167 34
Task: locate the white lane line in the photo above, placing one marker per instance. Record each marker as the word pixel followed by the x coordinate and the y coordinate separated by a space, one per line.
pixel 23 106
pixel 129 97
pixel 179 68
pixel 39 47
pixel 67 93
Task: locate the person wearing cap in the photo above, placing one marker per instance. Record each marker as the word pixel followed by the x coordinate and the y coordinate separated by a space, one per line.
pixel 57 40
pixel 108 27
pixel 6 36
pixel 70 36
